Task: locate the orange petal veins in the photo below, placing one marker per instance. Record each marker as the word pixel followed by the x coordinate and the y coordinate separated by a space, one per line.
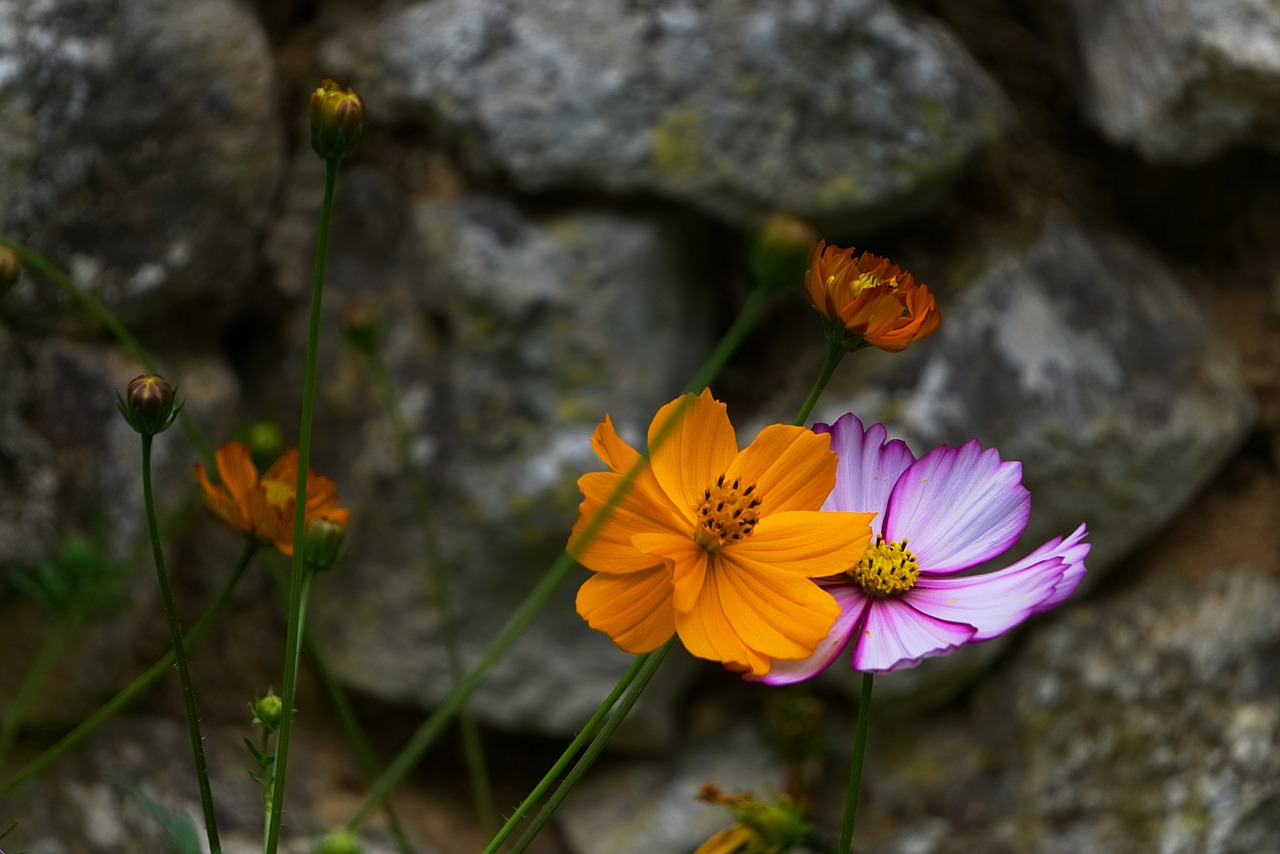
pixel 813 544
pixel 695 451
pixel 708 632
pixel 688 563
pixel 639 512
pixel 779 614
pixel 793 468
pixel 634 610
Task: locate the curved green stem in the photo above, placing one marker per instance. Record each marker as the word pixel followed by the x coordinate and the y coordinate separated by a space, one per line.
pixel 588 731
pixel 536 600
pixel 835 352
pixel 646 672
pixel 90 724
pixel 36 677
pixel 179 654
pixel 855 767
pixel 297 575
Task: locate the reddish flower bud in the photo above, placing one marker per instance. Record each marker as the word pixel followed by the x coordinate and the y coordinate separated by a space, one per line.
pixel 148 404
pixel 337 121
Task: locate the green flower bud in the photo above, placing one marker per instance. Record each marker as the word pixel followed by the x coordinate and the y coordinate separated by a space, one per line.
pixel 339 842
pixel 268 711
pixel 322 542
pixel 780 254
pixel 337 121
pixel 10 269
pixel 148 404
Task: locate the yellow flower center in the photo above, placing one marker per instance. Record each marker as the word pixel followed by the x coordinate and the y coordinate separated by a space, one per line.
pixel 887 569
pixel 728 513
pixel 279 493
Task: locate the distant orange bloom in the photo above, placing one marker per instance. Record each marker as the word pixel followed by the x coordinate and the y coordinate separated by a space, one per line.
pixel 875 301
pixel 715 544
pixel 263 507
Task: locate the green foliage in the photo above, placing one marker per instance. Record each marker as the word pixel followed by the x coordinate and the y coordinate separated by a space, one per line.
pixel 180 832
pixel 79 579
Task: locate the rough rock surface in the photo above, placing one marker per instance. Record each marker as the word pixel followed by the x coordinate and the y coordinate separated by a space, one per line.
pixel 843 111
pixel 541 317
pixel 141 148
pixel 1181 80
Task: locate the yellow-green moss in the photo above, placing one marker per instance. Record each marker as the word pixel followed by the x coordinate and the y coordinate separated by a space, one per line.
pixel 678 142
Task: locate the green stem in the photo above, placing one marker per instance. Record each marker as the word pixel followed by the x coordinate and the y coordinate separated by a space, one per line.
pixel 179 654
pixel 536 600
pixel 90 724
pixel 472 744
pixel 588 731
pixel 297 575
pixel 835 352
pixel 49 270
pixel 36 677
pixel 651 661
pixel 855 767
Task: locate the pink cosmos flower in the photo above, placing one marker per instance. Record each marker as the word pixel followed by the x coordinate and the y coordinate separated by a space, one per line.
pixel 949 511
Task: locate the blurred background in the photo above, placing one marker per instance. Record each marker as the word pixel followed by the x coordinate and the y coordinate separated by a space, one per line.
pixel 549 221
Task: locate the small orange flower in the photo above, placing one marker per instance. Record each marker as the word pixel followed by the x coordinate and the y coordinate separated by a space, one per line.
pixel 868 300
pixel 263 508
pixel 715 544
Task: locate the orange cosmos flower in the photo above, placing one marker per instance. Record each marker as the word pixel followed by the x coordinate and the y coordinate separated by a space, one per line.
pixel 868 300
pixel 715 544
pixel 263 508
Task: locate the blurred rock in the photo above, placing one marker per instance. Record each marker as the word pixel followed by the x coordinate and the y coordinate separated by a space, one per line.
pixel 1088 362
pixel 141 149
pixel 1152 720
pixel 846 112
pixel 1180 81
pixel 505 355
pixel 647 806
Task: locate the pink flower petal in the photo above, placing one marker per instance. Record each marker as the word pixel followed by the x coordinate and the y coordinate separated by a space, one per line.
pixel 895 636
pixel 994 602
pixel 852 603
pixel 1072 552
pixel 957 507
pixel 869 466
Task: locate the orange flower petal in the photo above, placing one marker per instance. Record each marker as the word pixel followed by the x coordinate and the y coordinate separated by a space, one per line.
pixel 811 544
pixel 774 612
pixel 688 565
pixel 695 451
pixel 708 632
pixel 236 469
pixel 634 610
pixel 611 548
pixel 793 468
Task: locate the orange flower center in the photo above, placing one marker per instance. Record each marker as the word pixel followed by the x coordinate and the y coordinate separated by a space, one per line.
pixel 279 493
pixel 728 513
pixel 887 569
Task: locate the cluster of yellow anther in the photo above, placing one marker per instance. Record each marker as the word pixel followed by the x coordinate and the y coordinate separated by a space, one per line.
pixel 887 569
pixel 728 513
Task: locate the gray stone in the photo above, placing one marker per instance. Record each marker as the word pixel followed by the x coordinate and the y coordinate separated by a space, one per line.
pixel 141 148
pixel 1087 362
pixel 84 501
pixel 1152 720
pixel 647 806
pixel 842 111
pixel 537 321
pixel 1181 80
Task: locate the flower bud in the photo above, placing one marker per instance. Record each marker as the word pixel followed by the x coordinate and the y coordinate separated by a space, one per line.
pixel 337 121
pixel 339 842
pixel 148 404
pixel 268 711
pixel 322 542
pixel 780 254
pixel 10 269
